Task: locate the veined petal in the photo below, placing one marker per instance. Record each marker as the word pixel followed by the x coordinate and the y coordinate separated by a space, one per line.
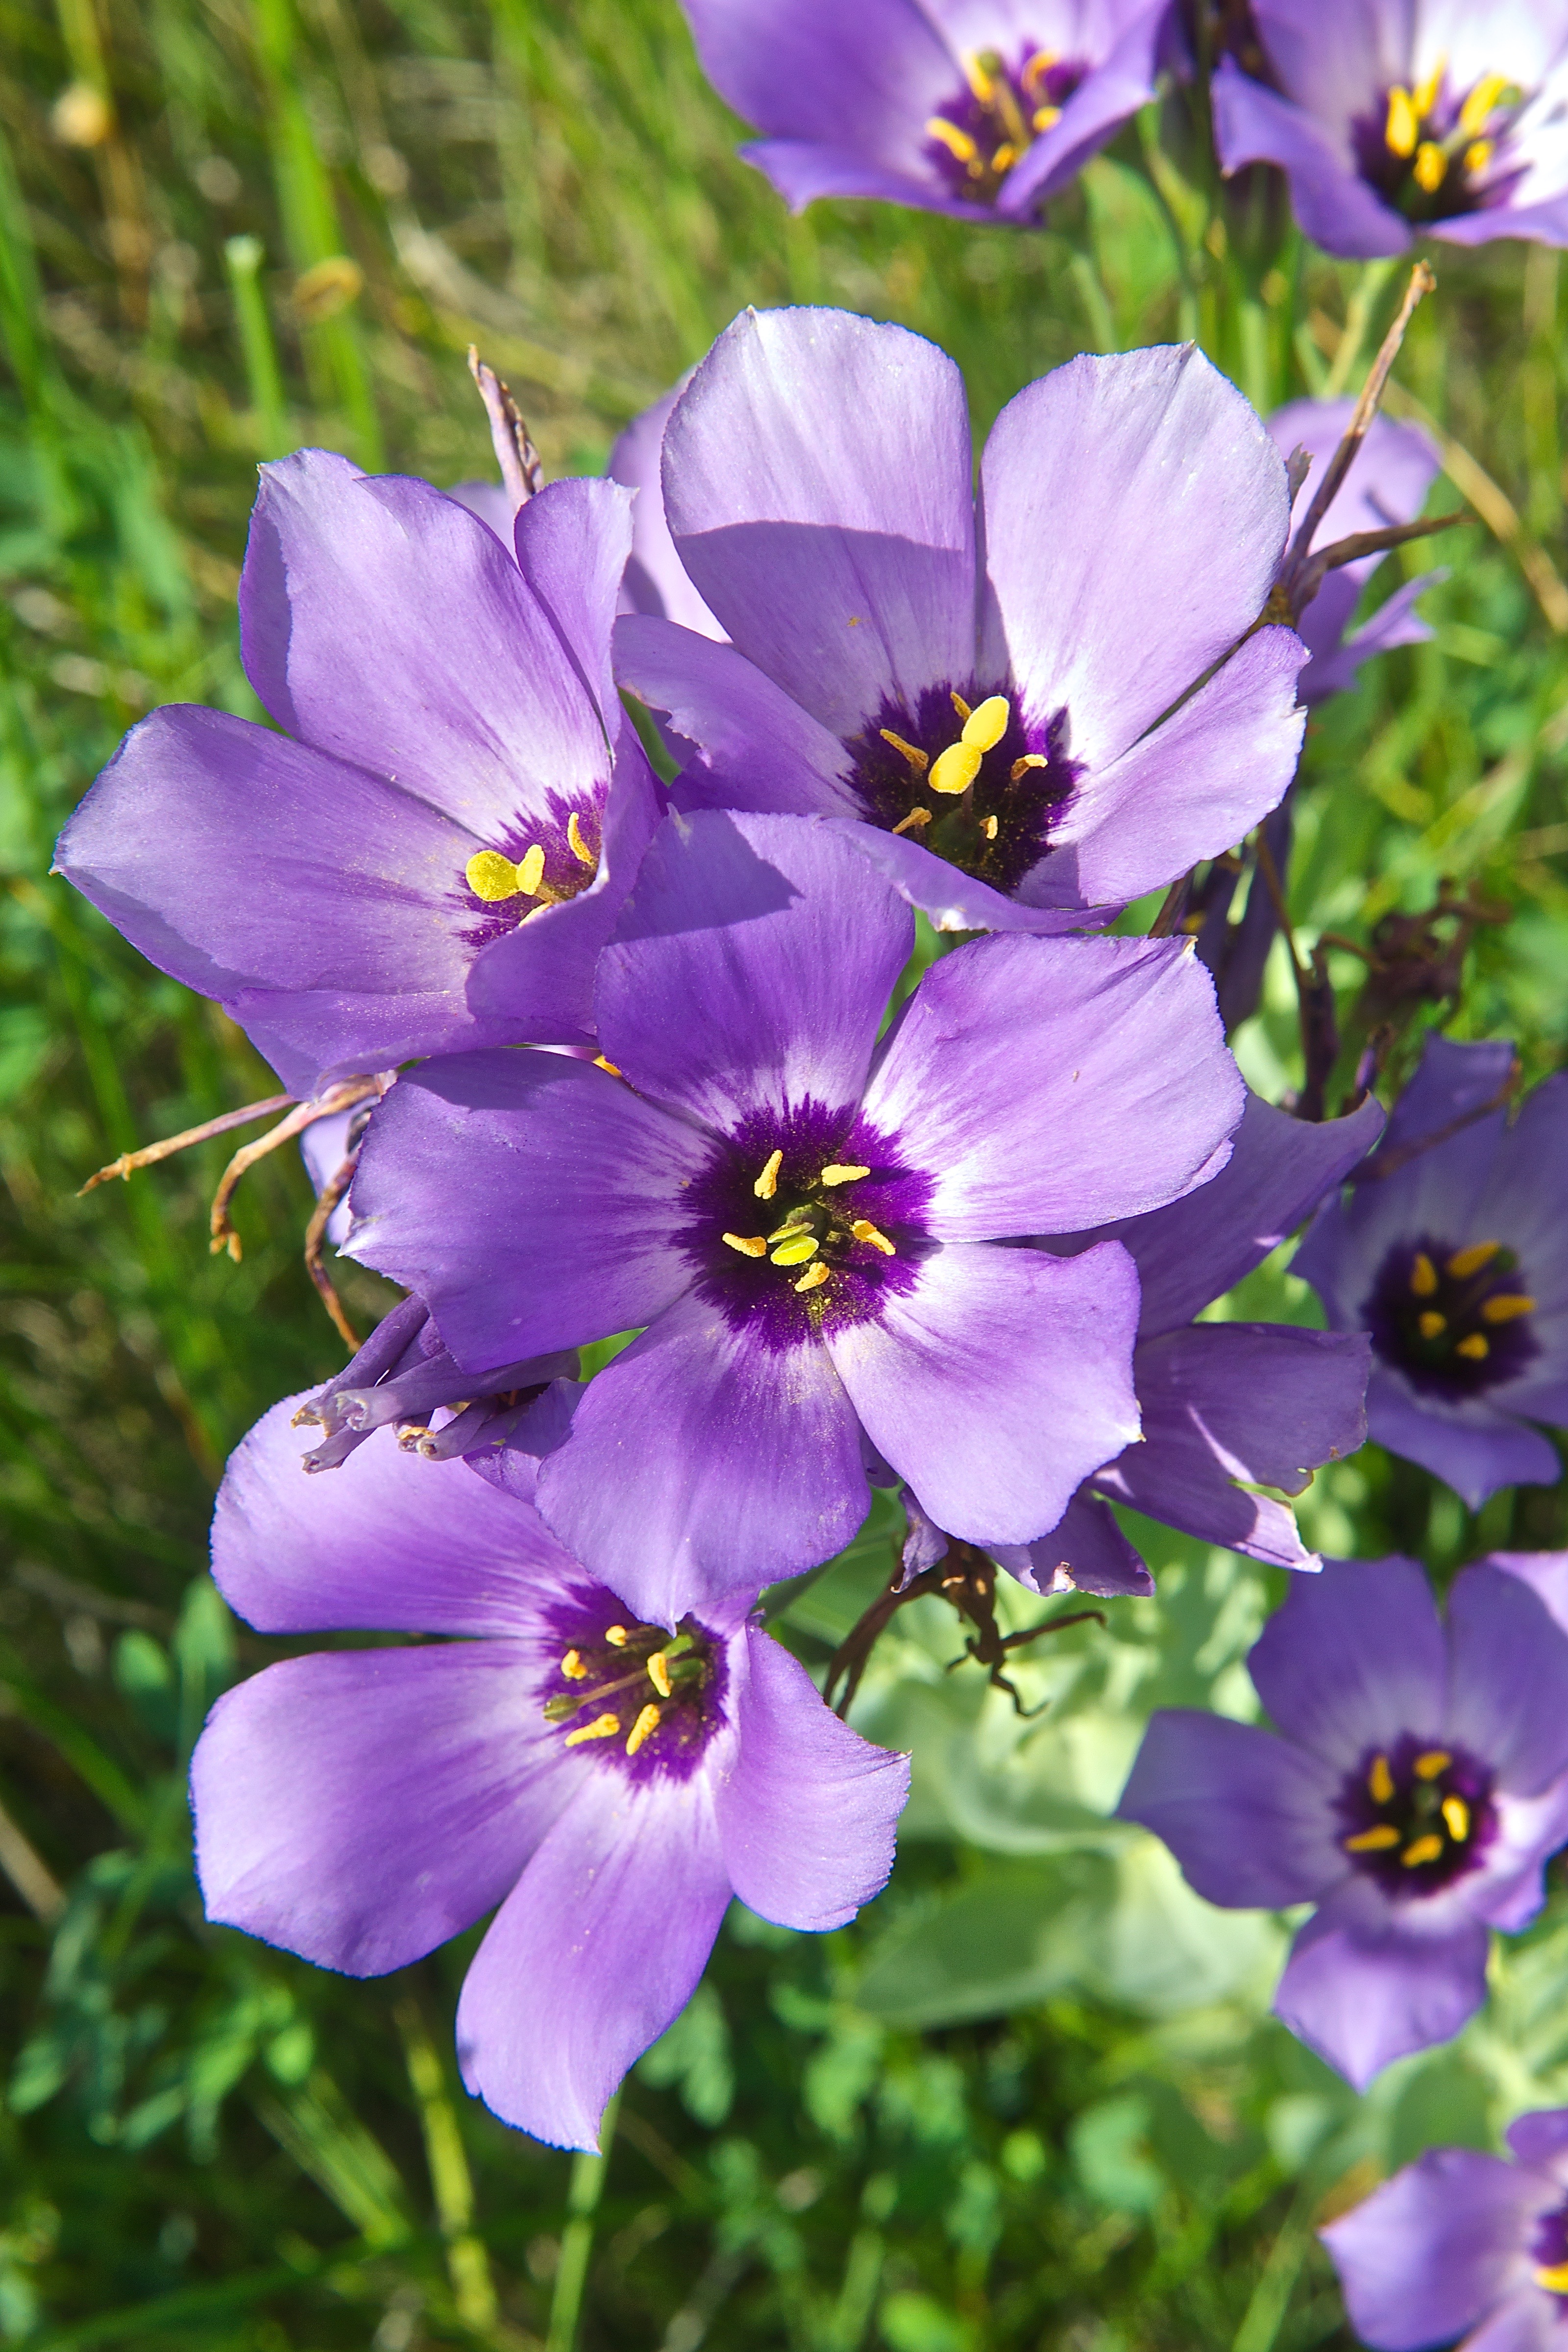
pixel 1473 1446
pixel 655 580
pixel 809 71
pixel 1508 1689
pixel 572 541
pixel 1086 1552
pixel 1265 1402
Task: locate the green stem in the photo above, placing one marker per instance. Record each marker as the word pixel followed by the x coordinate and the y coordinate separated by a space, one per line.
pixel 451 2182
pixel 1358 312
pixel 577 2239
pixel 1092 295
pixel 243 256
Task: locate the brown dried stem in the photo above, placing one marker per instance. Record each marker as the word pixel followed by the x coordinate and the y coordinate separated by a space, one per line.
pixel 342 1096
pixel 521 469
pixel 1422 282
pixel 151 1153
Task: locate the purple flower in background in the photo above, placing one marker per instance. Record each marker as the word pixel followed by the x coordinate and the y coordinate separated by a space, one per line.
pixel 1455 1263
pixel 806 1220
pixel 998 732
pixel 607 1786
pixel 1463 2243
pixel 1388 483
pixel 1432 118
pixel 1418 1782
pixel 434 853
pixel 981 108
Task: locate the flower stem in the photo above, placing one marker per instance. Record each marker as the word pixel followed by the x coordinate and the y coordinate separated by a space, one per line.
pixel 1359 312
pixel 577 2239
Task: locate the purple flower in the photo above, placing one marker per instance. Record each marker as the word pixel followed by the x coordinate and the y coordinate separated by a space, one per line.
pixel 1394 122
pixel 1007 734
pixel 609 1787
pixel 1455 1263
pixel 1388 483
pixel 806 1220
pixel 431 855
pixel 1417 1784
pixel 981 108
pixel 1463 2243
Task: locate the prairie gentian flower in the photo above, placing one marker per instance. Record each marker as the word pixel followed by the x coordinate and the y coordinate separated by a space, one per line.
pixel 1417 1783
pixel 806 1223
pixel 607 1786
pixel 1004 736
pixel 1456 1264
pixel 1388 483
pixel 432 854
pixel 981 108
pixel 1441 120
pixel 1461 2244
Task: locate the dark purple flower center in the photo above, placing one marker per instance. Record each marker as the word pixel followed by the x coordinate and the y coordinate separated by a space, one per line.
pixel 1416 1816
pixel 964 775
pixel 1549 2251
pixel 1456 1322
pixel 804 1222
pixel 976 136
pixel 636 1698
pixel 1431 151
pixel 531 866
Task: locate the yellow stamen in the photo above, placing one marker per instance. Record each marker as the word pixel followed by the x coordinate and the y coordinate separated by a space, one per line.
pixel 643 1728
pixel 959 143
pixel 987 723
pixel 1476 1349
pixel 865 1230
pixel 1423 1275
pixel 841 1171
pixel 604 1726
pixel 1431 1324
pixel 1377 1840
pixel 1481 104
pixel 959 704
pixel 989 828
pixel 979 80
pixel 749 1244
pixel 1380 1781
pixel 1402 129
pixel 1003 158
pixel 1430 167
pixel 1425 95
pixel 955 769
pixel 575 842
pixel 915 816
pixel 1554 2278
pixel 1020 768
pixel 1466 1262
pixel 572 1666
pixel 1507 1307
pixel 490 875
pixel 1478 155
pixel 1040 63
pixel 601 1063
pixel 616 1636
pixel 1425 1849
pixel 1457 1817
pixel 658 1673
pixel 530 871
pixel 918 761
pixel 1431 1762
pixel 815 1275
pixel 1046 118
pixel 798 1250
pixel 767 1183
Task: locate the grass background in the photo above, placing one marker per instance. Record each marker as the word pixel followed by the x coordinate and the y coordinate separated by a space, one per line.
pixel 289 221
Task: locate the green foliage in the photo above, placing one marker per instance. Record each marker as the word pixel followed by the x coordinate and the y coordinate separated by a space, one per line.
pixel 1033 2098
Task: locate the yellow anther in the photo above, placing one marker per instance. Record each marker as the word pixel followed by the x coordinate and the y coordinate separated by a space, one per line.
pixel 604 1726
pixel 643 1728
pixel 1476 1349
pixel 1380 1781
pixel 1040 63
pixel 575 842
pixel 959 703
pixel 865 1230
pixel 1507 1308
pixel 1554 2278
pixel 979 80
pixel 1481 104
pixel 658 1673
pixel 767 1183
pixel 1003 158
pixel 1020 768
pixel 988 722
pixel 918 761
pixel 916 816
pixel 1402 129
pixel 1377 1840
pixel 1424 94
pixel 798 1250
pixel 1478 155
pixel 490 875
pixel 1425 1849
pixel 989 828
pixel 530 870
pixel 955 769
pixel 749 1244
pixel 813 1275
pixel 1466 1262
pixel 1431 1762
pixel 841 1171
pixel 959 143
pixel 572 1666
pixel 616 1636
pixel 602 1062
pixel 1046 118
pixel 1457 1819
pixel 1423 1275
pixel 1431 1324
pixel 1430 167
